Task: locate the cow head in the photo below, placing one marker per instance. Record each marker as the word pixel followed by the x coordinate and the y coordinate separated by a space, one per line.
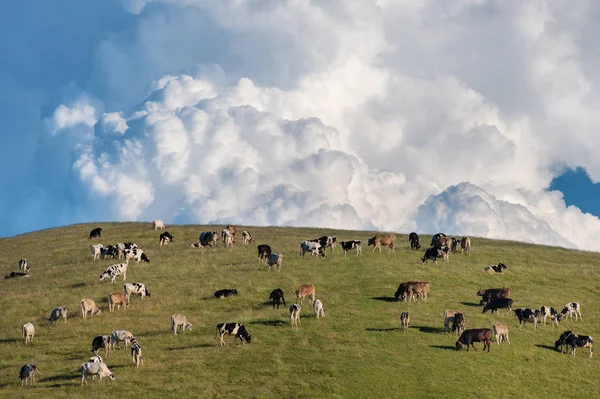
pixel 188 326
pixel 145 258
pixel 459 345
pixel 146 292
pixel 103 276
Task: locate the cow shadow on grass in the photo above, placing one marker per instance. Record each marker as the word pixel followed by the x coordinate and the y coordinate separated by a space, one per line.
pixel 444 347
pixel 429 329
pixel 271 323
pixel 472 304
pixel 78 285
pixel 552 348
pixel 61 377
pixel 383 329
pixel 8 340
pixel 178 348
pixel 385 298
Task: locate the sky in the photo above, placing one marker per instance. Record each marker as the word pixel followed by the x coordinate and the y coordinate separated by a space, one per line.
pixel 466 117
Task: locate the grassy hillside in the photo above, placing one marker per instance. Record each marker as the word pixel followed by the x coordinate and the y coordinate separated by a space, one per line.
pixel 357 351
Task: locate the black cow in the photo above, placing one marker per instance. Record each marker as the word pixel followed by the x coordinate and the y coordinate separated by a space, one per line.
pixel 459 323
pixel 165 238
pixel 277 297
pixel 101 342
pixel 433 253
pixel 263 252
pixel 236 329
pixel 498 303
pixel 225 293
pixel 413 238
pixel 468 337
pixel 97 232
pixel 527 315
pixel 435 240
pixel 491 293
pixel 350 245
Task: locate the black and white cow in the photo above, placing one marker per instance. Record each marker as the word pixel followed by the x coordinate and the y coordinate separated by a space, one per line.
pixel 136 254
pixel 493 269
pixel 572 309
pixel 547 312
pixel 277 297
pixel 326 242
pixel 136 289
pixel 208 238
pixel 313 247
pixel 122 246
pixel 459 323
pixel 350 245
pixel 225 293
pixel 527 315
pixel 568 339
pixel 110 251
pixel 264 251
pixel 236 329
pixel 433 253
pixel 165 238
pixel 101 342
pixel 28 373
pixel 113 271
pixel 97 232
pixel 413 238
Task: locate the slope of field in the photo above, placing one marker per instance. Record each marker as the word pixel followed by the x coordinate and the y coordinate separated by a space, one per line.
pixel 357 351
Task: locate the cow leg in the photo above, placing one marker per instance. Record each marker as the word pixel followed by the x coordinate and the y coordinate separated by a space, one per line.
pixel 474 348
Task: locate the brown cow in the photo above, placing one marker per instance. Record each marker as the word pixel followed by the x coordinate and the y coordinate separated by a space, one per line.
pixel 306 290
pixel 465 245
pixel 411 288
pixel 232 229
pixel 387 240
pixel 118 299
pixel 468 337
pixel 492 293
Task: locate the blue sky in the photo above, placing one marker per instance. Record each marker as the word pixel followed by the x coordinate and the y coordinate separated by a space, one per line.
pixel 455 117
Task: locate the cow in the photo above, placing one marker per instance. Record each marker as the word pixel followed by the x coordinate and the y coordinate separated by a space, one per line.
pixel 96 251
pixel 57 313
pixel 117 299
pixel 158 224
pixel 409 289
pixel 350 245
pixel 236 329
pixel 388 240
pixel 100 369
pixel 165 238
pixel 122 247
pixel 97 232
pixel 568 339
pixel 527 315
pixel 572 308
pixel 452 243
pixel 404 320
pixel 136 254
pixel 101 342
pixel 306 290
pixel 277 297
pixel 28 373
pixel 433 253
pixel 547 312
pixel 179 320
pixel 449 318
pixel 28 332
pixel 136 353
pixel 135 289
pixel 120 336
pixel 498 303
pixel 436 239
pixel 96 359
pixel 225 293
pixel 326 242
pixel 246 237
pixel 318 309
pixel 24 266
pixel 313 247
pixel 16 274
pixel 113 271
pixel 110 251
pixel 465 245
pixel 208 238
pixel 88 305
pixel 263 252
pixel 275 260
pixel 232 229
pixel 500 332
pixel 468 337
pixel 459 323
pixel 413 239
pixel 491 293
pixel 196 245
pixel 227 238
pixel 295 314
pixel 495 269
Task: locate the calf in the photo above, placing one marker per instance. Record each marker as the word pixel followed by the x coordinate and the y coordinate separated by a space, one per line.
pixel 88 305
pixel 120 336
pixel 572 308
pixel 548 312
pixel 491 293
pixel 165 238
pixel 101 342
pixel 227 238
pixel 413 238
pixel 306 290
pixel 57 313
pixel 326 242
pixel 136 289
pixel 277 297
pixel 388 240
pixel 318 309
pixel 459 323
pixel 465 245
pixel 527 315
pixel 96 251
pixel 24 266
pixel 117 299
pixel 313 247
pixel 246 237
pixel 236 329
pixel 28 373
pixel 158 224
pixel 404 320
pixel 500 332
pixel 433 253
pixel 468 337
pixel 28 332
pixel 263 252
pixel 136 254
pixel 113 271
pixel 350 245
pixel 295 314
pixel 275 260
pixel 226 293
pixel 449 318
pixel 90 369
pixel 136 353
pixel 179 320
pixel 495 269
pixel 97 232
pixel 498 303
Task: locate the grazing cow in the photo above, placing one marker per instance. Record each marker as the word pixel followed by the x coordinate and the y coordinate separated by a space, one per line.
pixel 179 320
pixel 236 329
pixel 326 242
pixel 433 253
pixel 88 305
pixel 28 373
pixel 468 337
pixel 388 240
pixel 158 224
pixel 404 320
pixel 465 245
pixel 165 238
pixel 208 238
pixel 548 312
pixel 313 247
pixel 459 323
pixel 136 254
pixel 110 251
pixel 227 238
pixel 500 332
pixel 411 289
pixel 275 260
pixel 117 299
pixel 494 269
pixel 225 293
pixel 277 297
pixel 90 369
pixel 122 247
pixel 120 336
pixel 113 271
pixel 350 245
pixel 568 339
pixel 246 237
pixel 295 314
pixel 57 313
pixel 263 252
pixel 318 309
pixel 24 266
pixel 306 290
pixel 96 359
pixel 413 238
pixel 436 240
pixel 572 308
pixel 527 315
pixel 135 289
pixel 491 293
pixel 16 274
pixel 452 243
pixel 97 232
pixel 101 342
pixel 96 251
pixel 28 332
pixel 498 303
pixel 136 353
pixel 449 318
pixel 232 229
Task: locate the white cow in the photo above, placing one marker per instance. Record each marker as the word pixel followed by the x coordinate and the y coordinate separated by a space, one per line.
pixel 96 250
pixel 99 369
pixel 179 320
pixel 275 260
pixel 158 224
pixel 313 247
pixel 295 314
pixel 120 336
pixel 88 305
pixel 318 309
pixel 136 289
pixel 28 332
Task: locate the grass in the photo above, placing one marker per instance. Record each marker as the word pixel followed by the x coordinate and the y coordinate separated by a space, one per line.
pixel 357 351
